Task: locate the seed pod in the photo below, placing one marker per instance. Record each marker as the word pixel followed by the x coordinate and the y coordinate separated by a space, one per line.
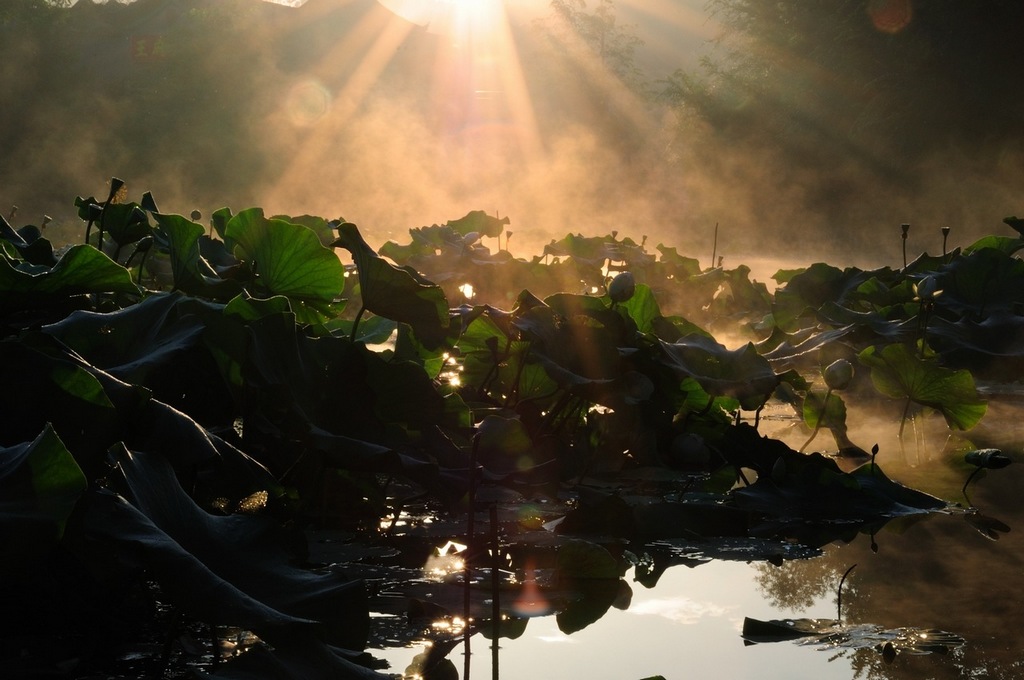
pixel 622 287
pixel 838 374
pixel 992 459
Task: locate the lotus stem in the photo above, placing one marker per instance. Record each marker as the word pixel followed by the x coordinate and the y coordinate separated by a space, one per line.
pixel 355 322
pixel 969 478
pixel 903 424
pixel 495 572
pixel 839 594
pixel 115 186
pixel 467 569
pixel 906 230
pixel 817 424
pixel 714 249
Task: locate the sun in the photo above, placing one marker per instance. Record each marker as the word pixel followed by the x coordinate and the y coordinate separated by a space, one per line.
pixel 457 18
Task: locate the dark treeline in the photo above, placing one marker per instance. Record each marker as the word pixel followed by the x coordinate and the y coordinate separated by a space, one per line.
pixel 852 92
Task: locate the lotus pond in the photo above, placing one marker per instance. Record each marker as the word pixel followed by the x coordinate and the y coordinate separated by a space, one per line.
pixel 927 585
pixel 261 448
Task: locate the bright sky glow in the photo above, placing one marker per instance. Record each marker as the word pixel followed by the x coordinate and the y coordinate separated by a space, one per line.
pixel 453 17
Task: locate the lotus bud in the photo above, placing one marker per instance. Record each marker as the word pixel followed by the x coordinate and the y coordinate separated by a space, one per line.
pixel 471 237
pixel 838 374
pixel 993 459
pixel 927 289
pixel 622 287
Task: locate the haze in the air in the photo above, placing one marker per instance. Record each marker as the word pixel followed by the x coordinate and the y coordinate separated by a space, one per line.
pixel 805 133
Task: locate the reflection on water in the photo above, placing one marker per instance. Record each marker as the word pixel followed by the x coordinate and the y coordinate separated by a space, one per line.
pixel 958 572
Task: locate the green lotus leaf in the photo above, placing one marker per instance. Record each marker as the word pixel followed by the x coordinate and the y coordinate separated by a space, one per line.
pixel 248 308
pixel 817 412
pixel 289 259
pixel 1005 244
pixel 125 223
pixel 643 308
pixel 41 389
pixel 298 381
pixel 192 273
pixel 321 227
pixel 80 270
pixel 900 373
pixel 40 483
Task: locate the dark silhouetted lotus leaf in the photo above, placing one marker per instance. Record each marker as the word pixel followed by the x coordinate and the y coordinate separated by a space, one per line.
pixel 399 293
pixel 742 374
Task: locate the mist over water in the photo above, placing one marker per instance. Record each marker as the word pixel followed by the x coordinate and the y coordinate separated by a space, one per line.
pixel 342 108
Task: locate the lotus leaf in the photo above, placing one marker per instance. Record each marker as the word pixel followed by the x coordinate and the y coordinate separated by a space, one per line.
pixel 399 293
pixel 40 483
pixel 289 259
pixel 192 273
pixel 81 269
pixel 742 374
pixel 900 373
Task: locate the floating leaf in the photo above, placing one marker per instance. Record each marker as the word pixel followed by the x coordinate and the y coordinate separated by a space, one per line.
pixel 830 634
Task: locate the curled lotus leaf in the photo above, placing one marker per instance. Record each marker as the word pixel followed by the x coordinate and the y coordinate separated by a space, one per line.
pixel 742 374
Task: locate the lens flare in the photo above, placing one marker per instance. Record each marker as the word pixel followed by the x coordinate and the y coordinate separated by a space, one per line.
pixel 307 102
pixel 890 16
pixel 531 601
